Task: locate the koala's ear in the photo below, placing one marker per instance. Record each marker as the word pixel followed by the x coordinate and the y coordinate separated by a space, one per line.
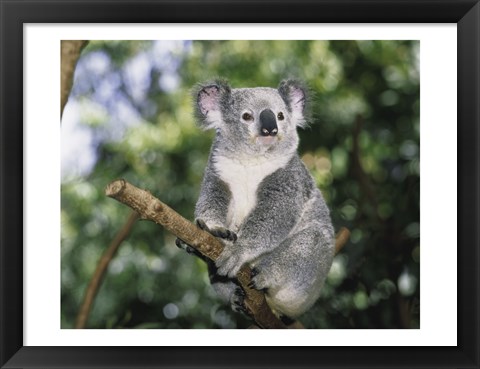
pixel 209 98
pixel 294 93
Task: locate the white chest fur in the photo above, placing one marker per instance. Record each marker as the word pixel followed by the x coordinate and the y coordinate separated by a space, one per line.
pixel 243 179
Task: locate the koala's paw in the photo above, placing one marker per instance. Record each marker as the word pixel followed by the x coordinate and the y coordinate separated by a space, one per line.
pixel 220 232
pixel 231 260
pixel 184 246
pixel 258 281
pixel 238 301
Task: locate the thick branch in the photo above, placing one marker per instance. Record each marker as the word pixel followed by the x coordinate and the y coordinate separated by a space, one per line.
pixel 70 52
pixel 149 207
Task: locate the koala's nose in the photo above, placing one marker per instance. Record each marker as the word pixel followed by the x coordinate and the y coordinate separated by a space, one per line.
pixel 268 123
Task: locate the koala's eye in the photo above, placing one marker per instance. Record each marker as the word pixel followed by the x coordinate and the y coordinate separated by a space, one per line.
pixel 247 116
pixel 280 116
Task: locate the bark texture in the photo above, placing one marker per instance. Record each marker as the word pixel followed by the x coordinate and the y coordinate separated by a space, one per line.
pixel 70 52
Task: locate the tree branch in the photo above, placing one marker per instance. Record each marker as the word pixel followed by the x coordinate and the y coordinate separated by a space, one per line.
pixel 70 52
pixel 146 206
pixel 149 207
pixel 356 167
pixel 94 284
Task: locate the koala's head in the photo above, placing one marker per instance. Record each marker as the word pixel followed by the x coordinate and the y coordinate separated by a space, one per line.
pixel 256 120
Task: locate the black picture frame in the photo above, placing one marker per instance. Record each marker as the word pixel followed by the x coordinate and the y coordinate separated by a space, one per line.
pixel 14 14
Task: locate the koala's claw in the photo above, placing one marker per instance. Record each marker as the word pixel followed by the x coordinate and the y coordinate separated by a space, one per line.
pixel 201 224
pixel 238 301
pixel 226 234
pixel 220 232
pixel 184 246
pixel 180 244
pixel 253 273
pixel 239 292
pixel 257 282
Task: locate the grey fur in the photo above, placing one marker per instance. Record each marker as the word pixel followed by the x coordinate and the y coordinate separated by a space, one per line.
pixel 259 188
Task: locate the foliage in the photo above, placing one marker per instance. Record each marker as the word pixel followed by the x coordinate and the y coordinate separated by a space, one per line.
pixel 130 115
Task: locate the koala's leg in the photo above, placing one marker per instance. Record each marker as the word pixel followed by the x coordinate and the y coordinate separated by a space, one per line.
pixel 212 205
pixel 293 274
pixel 228 289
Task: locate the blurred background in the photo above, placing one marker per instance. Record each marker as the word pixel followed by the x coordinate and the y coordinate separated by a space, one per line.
pixel 130 116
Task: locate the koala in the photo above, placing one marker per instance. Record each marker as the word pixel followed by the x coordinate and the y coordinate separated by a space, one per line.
pixel 260 199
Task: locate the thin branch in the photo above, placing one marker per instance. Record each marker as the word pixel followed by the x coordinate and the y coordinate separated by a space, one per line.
pixel 364 181
pixel 341 239
pixel 92 288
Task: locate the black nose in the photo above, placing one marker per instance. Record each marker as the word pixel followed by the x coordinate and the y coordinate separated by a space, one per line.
pixel 268 123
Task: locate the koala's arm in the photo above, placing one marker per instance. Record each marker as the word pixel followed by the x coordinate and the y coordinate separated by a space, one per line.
pixel 212 204
pixel 278 209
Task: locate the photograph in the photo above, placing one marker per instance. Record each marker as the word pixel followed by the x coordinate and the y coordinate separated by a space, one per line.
pixel 235 184
pixel 301 157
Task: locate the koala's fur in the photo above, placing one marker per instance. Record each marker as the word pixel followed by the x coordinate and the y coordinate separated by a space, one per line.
pixel 259 197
